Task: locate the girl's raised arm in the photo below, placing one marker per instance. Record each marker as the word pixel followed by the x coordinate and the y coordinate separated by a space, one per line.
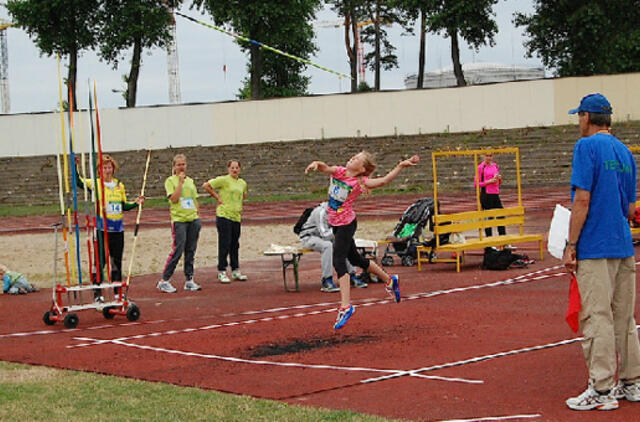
pixel 381 181
pixel 320 166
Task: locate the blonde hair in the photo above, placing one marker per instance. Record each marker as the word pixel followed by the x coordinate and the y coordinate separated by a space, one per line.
pixel 106 158
pixel 3 269
pixel 368 163
pixel 175 158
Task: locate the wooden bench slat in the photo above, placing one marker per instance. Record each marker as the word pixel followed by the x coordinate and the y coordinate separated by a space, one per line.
pixel 478 224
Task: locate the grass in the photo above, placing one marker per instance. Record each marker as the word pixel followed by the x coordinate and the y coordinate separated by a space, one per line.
pixel 34 393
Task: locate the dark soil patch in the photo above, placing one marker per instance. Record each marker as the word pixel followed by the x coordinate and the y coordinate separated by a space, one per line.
pixel 299 345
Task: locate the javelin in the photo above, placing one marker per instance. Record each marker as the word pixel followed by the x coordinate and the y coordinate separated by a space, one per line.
pixel 135 233
pixel 266 47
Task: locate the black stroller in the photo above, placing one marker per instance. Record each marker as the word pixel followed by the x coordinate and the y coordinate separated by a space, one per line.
pixel 406 235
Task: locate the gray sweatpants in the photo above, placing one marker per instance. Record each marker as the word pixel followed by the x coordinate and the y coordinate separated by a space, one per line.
pixel 185 240
pixel 325 247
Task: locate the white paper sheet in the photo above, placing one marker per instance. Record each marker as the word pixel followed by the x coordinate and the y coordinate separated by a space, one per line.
pixel 558 231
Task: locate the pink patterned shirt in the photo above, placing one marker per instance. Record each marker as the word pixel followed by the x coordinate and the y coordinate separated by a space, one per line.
pixel 343 191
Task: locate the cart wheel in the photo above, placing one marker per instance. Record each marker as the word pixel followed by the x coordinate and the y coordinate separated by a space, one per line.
pixel 71 321
pixel 408 261
pixel 133 312
pixel 47 318
pixel 387 260
pixel 106 313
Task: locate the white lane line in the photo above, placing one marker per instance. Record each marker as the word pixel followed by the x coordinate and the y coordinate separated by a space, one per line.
pixel 330 310
pixel 474 360
pixel 122 342
pixel 368 302
pixel 495 418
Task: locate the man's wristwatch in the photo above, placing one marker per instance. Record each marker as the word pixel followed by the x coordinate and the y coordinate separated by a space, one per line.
pixel 573 244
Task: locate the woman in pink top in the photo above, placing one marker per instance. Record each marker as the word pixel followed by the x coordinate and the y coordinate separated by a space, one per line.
pixel 345 185
pixel 490 180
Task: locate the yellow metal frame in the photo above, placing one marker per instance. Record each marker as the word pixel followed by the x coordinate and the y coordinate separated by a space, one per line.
pixel 475 153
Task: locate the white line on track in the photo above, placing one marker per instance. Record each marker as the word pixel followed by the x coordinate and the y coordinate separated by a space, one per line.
pixel 524 278
pixel 496 418
pixel 121 342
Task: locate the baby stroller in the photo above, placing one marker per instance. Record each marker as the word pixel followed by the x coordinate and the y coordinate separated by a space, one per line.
pixel 406 235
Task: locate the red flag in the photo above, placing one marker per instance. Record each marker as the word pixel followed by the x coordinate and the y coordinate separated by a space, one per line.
pixel 574 305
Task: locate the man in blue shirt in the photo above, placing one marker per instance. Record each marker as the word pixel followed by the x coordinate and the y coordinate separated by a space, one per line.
pixel 600 252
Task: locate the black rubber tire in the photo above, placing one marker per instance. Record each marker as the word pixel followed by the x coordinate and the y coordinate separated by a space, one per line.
pixel 71 320
pixel 133 312
pixel 387 261
pixel 106 313
pixel 47 318
pixel 408 261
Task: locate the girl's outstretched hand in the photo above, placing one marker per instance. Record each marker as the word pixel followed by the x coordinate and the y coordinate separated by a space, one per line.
pixel 410 161
pixel 311 167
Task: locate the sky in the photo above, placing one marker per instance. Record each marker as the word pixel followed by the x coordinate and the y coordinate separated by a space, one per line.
pixel 204 53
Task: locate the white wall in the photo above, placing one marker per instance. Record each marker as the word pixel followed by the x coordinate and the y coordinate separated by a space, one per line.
pixel 497 106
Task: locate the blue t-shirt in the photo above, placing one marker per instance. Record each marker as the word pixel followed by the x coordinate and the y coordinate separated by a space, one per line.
pixel 604 166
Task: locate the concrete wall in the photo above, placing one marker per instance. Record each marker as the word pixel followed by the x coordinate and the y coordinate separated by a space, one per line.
pixel 497 106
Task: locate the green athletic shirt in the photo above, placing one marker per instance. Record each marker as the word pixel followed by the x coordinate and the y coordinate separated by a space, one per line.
pixel 186 209
pixel 232 193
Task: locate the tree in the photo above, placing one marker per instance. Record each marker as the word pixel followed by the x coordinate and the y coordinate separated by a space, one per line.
pixel 352 11
pixel 133 24
pixel 64 27
pixel 472 19
pixel 382 13
pixel 285 25
pixel 585 37
pixel 424 9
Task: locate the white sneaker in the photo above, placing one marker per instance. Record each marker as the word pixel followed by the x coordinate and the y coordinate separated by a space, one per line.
pixel 591 399
pixel 237 275
pixel 223 278
pixel 630 392
pixel 165 287
pixel 192 286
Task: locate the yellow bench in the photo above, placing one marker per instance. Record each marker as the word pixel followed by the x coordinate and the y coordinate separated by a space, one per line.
pixel 477 220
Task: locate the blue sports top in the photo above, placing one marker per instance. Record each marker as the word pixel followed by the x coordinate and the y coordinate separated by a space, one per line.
pixel 604 166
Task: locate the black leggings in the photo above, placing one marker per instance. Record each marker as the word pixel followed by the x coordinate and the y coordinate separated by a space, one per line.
pixel 116 246
pixel 490 201
pixel 228 243
pixel 345 248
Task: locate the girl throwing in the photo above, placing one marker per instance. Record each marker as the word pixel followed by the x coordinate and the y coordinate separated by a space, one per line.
pixel 232 190
pixel 345 185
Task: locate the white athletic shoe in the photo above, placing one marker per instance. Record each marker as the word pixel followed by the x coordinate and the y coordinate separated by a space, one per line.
pixel 165 287
pixel 223 278
pixel 237 275
pixel 590 399
pixel 630 392
pixel 192 286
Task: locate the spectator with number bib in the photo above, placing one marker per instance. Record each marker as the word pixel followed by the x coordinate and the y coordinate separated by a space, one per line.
pixel 115 197
pixel 229 190
pixel 185 225
pixel 345 185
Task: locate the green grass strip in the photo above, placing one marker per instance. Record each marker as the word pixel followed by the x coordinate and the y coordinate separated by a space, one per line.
pixel 36 393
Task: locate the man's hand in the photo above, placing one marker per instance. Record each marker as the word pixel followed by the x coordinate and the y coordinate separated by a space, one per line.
pixel 569 259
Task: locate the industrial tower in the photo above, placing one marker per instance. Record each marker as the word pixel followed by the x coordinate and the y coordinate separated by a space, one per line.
pixel 172 66
pixel 4 68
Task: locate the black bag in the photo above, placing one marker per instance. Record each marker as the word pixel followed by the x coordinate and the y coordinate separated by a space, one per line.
pixel 495 259
pixel 303 219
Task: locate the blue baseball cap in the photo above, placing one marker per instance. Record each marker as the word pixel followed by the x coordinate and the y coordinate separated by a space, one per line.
pixel 593 103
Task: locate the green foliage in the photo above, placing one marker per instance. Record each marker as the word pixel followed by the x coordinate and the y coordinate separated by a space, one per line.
pixel 284 25
pixel 473 20
pixel 57 26
pixel 584 37
pixel 126 22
